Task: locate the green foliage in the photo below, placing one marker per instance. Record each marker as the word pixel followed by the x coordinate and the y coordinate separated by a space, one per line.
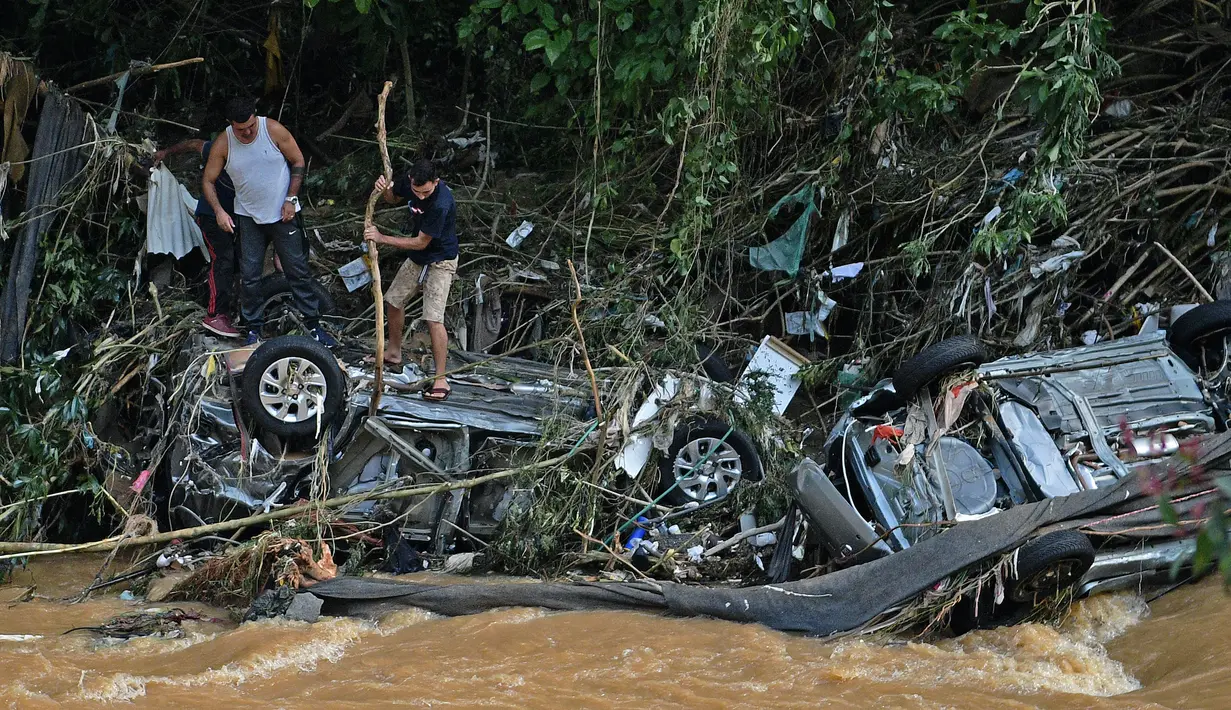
pixel 1058 52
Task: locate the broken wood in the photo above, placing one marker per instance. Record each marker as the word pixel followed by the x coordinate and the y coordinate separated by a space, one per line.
pixel 404 48
pixel 378 295
pixel 1184 269
pixel 133 73
pixel 10 550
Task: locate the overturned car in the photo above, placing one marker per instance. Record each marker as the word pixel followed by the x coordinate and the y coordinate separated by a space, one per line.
pixel 952 437
pixel 291 420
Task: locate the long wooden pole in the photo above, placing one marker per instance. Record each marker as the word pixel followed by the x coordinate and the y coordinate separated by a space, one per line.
pixel 373 255
pixel 133 73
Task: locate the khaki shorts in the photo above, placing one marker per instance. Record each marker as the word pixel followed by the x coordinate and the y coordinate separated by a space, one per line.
pixel 435 287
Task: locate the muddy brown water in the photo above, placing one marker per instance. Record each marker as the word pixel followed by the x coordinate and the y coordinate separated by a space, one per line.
pixel 1113 652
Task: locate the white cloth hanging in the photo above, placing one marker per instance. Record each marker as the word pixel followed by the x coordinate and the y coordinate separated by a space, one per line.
pixel 169 224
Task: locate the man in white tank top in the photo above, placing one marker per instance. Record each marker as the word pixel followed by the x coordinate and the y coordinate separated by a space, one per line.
pixel 267 168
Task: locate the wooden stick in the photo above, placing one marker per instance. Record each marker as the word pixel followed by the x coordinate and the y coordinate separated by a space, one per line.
pixel 31 549
pixel 1189 274
pixel 581 339
pixel 585 358
pixel 133 74
pixel 378 293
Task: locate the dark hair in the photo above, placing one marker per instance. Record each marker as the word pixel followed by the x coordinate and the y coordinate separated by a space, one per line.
pixel 240 109
pixel 422 172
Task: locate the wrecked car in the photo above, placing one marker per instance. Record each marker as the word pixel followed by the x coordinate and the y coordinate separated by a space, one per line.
pixel 953 437
pixel 253 437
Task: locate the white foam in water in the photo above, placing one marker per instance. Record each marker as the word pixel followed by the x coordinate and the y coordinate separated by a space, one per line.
pixel 328 642
pixel 1027 658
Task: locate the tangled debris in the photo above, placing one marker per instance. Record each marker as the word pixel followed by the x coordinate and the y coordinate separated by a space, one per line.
pixel 1034 219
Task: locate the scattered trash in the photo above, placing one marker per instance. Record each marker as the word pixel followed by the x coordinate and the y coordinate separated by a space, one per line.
pixel 991 215
pixel 845 271
pixel 143 623
pixel 355 274
pixel 842 233
pixel 636 536
pixel 460 563
pixel 811 323
pixel 780 365
pixel 786 252
pixel 517 236
pixel 1122 108
pixel 694 553
pixel 1009 179
pixel 127 596
pixel 1055 264
pixel 139 484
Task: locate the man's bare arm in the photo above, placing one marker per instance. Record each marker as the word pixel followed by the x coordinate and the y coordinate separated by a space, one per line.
pixel 192 145
pixel 213 168
pixel 290 150
pixel 418 243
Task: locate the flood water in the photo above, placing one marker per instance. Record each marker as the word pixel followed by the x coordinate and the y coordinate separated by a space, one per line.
pixel 1113 652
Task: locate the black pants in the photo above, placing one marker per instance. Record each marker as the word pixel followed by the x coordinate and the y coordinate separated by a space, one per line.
pixel 292 250
pixel 221 276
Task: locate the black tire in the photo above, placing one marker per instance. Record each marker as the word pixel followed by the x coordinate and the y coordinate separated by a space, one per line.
pixel 936 361
pixel 714 366
pixel 741 443
pixel 1201 322
pixel 304 349
pixel 276 292
pixel 1050 564
pixel 964 617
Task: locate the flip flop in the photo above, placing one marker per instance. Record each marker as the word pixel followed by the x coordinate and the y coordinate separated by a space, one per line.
pixel 437 394
pixel 371 360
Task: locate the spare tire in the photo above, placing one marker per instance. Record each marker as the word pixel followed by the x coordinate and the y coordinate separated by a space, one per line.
pixel 714 366
pixel 293 387
pixel 1187 332
pixel 276 294
pixel 1050 564
pixel 936 361
pixel 733 460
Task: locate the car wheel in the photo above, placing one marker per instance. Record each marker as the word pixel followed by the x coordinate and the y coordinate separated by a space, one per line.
pixel 714 366
pixel 292 386
pixel 731 461
pixel 1189 333
pixel 278 299
pixel 936 361
pixel 1050 564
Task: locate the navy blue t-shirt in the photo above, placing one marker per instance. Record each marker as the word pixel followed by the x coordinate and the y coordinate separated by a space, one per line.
pixel 223 186
pixel 436 217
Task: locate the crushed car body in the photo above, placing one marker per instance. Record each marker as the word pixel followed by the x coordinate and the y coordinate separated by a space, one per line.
pixel 951 438
pixel 263 415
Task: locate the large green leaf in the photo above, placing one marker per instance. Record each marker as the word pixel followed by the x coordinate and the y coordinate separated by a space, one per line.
pixel 536 39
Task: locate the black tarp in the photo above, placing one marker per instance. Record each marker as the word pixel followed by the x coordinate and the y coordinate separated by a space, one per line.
pixel 833 603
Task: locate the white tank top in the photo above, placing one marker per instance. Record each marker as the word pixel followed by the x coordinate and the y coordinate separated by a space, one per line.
pixel 260 174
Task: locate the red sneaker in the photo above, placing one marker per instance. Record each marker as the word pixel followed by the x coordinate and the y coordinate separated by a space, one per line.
pixel 221 325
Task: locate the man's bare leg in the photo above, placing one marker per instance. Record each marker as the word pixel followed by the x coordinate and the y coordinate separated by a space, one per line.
pixel 396 318
pixel 440 353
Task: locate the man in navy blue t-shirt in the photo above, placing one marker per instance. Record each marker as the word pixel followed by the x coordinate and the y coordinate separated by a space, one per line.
pixel 220 244
pixel 430 268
